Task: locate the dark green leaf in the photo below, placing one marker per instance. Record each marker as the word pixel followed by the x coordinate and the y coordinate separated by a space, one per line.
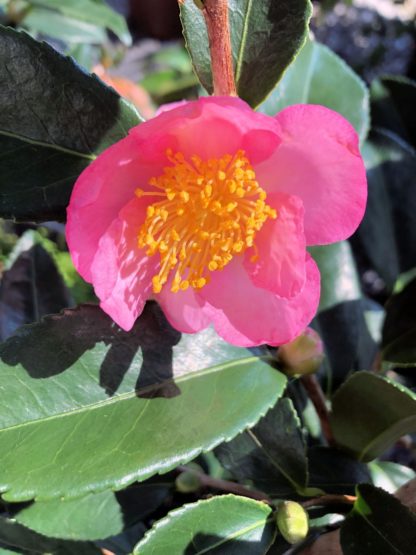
pixel 392 106
pixel 54 120
pixel 380 524
pixel 272 454
pixel 332 471
pixel 90 11
pixel 399 331
pixel 316 77
pixel 369 413
pixel 386 238
pixel 95 516
pixel 228 524
pixel 349 345
pixel 265 37
pixel 14 535
pixel 87 410
pixel 31 288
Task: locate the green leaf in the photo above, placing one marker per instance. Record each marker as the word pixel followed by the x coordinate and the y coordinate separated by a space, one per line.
pixel 389 475
pixel 31 288
pixel 54 120
pixel 386 238
pixel 392 106
pixel 265 37
pixel 87 410
pixel 316 77
pixel 16 536
pixel 90 11
pixel 227 524
pixel 332 471
pixel 58 26
pixel 95 516
pixel 369 413
pixel 380 524
pixel 271 455
pixel 339 277
pixel 399 330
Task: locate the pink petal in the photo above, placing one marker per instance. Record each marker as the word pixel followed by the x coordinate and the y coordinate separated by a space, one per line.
pixel 104 188
pixel 183 310
pixel 281 249
pixel 121 272
pixel 319 161
pixel 208 127
pixel 246 315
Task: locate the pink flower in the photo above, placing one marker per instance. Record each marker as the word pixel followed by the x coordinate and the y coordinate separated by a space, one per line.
pixel 209 207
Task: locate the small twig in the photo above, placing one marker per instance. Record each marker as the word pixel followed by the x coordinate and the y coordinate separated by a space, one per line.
pixel 218 27
pixel 316 395
pixel 225 485
pixel 329 499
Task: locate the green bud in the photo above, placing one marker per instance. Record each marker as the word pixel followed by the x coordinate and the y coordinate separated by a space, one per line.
pixel 292 521
pixel 303 355
pixel 187 482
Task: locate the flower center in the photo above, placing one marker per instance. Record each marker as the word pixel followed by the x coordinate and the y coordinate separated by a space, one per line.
pixel 209 212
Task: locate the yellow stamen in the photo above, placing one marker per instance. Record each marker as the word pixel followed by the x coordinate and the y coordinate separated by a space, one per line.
pixel 210 212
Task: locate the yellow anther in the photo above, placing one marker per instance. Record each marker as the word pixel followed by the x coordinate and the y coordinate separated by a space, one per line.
pixel 209 212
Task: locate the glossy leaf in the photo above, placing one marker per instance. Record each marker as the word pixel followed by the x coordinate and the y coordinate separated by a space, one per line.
pixel 226 524
pixel 379 523
pixel 369 413
pixel 339 278
pixel 58 26
pixel 18 537
pixel 399 330
pixel 54 120
pixel 90 11
pixel 31 288
pixel 271 455
pixel 316 77
pixel 95 516
pixel 90 407
pixel 392 106
pixel 389 475
pixel 265 37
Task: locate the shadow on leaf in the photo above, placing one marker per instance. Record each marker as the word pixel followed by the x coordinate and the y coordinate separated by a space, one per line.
pixel 57 342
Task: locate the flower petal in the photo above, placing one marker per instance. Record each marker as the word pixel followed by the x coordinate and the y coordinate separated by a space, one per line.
pixel 103 189
pixel 280 247
pixel 319 161
pixel 183 310
pixel 246 315
pixel 121 272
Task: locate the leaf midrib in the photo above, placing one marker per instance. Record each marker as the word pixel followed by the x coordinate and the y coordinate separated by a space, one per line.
pixel 244 35
pixel 48 145
pixel 132 394
pixel 236 534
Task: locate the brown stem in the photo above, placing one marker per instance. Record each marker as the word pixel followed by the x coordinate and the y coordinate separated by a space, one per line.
pixel 218 27
pixel 329 500
pixel 315 393
pixel 225 485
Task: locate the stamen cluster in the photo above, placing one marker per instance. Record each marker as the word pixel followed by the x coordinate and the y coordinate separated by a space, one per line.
pixel 210 211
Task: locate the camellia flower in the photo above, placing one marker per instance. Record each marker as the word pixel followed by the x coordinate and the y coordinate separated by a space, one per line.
pixel 208 208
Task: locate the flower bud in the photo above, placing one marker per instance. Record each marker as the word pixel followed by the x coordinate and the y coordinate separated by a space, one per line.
pixel 188 482
pixel 292 521
pixel 303 355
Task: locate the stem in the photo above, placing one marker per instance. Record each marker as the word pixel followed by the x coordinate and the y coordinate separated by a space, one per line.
pixel 218 27
pixel 329 500
pixel 225 485
pixel 315 393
